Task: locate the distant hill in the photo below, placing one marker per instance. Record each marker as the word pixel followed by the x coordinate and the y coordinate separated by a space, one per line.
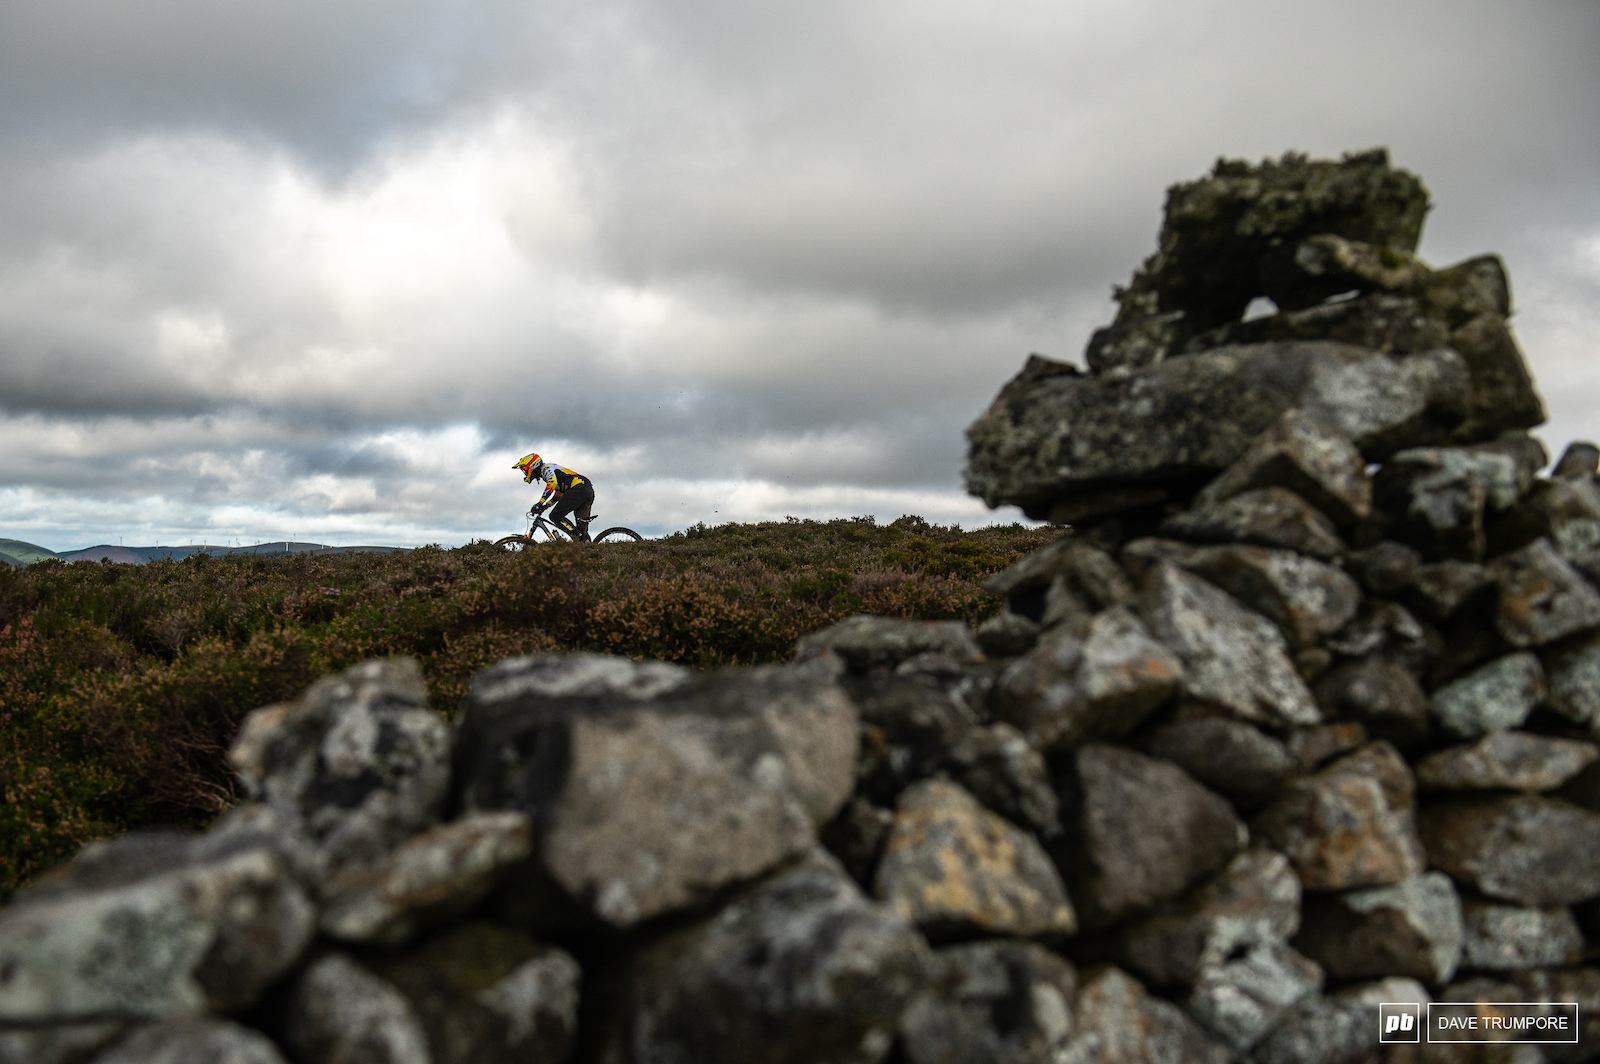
pixel 20 553
pixel 16 552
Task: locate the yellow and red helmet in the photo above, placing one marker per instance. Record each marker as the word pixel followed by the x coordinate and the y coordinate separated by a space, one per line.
pixel 531 465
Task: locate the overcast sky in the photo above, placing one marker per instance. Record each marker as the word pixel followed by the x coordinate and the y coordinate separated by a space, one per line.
pixel 328 267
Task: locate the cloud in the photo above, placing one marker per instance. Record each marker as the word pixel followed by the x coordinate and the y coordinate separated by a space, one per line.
pixel 274 269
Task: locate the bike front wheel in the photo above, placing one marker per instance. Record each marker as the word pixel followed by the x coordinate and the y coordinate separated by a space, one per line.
pixel 617 534
pixel 514 544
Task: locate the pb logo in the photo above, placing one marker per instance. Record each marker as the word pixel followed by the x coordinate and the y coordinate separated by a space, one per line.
pixel 1399 1021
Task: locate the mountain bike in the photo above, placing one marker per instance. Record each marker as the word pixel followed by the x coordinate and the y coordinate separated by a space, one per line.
pixel 541 530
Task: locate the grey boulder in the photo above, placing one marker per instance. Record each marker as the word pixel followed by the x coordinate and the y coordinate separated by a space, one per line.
pixel 651 788
pixel 1542 598
pixel 1099 683
pixel 194 1041
pixel 802 968
pixel 1513 938
pixel 485 994
pixel 1505 760
pixel 1337 1028
pixel 1352 824
pixel 1573 673
pixel 1493 697
pixel 997 1002
pixel 433 876
pixel 1138 832
pixel 1232 658
pixel 998 766
pixel 1412 929
pixel 1241 999
pixel 358 764
pixel 1301 454
pixel 1380 694
pixel 1118 1022
pixel 1235 759
pixel 151 926
pixel 1267 517
pixel 339 1012
pixel 1255 901
pixel 1045 440
pixel 866 643
pixel 949 865
pixel 1525 849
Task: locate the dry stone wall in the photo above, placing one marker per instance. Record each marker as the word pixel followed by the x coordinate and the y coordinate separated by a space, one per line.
pixel 1300 716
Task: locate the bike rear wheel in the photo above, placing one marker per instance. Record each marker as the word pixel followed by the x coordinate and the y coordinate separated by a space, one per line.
pixel 617 534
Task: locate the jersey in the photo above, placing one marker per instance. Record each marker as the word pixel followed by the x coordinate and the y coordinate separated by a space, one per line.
pixel 559 480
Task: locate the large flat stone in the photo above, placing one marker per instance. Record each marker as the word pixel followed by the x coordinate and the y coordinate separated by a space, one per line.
pixel 1047 439
pixel 1491 698
pixel 653 790
pixel 1506 760
pixel 1524 849
pixel 1267 517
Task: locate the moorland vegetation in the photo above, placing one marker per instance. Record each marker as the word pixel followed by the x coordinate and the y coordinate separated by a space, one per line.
pixel 121 686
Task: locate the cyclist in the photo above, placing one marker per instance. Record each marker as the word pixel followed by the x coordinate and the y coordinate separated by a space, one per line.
pixel 571 492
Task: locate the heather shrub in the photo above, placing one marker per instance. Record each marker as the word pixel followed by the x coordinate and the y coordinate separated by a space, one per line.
pixel 121 686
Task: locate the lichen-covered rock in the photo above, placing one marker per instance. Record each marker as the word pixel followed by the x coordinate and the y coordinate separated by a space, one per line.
pixel 194 1041
pixel 1494 697
pixel 1045 439
pixel 856 836
pixel 1301 454
pixel 1255 901
pixel 1308 600
pixel 358 763
pixel 1504 760
pixel 1268 517
pixel 650 790
pixel 1007 634
pixel 1514 938
pixel 1086 571
pixel 1380 694
pixel 909 725
pixel 1118 350
pixel 441 873
pixel 485 994
pixel 1231 658
pixel 1524 849
pixel 1303 274
pixel 1381 321
pixel 1438 496
pixel 1235 759
pixel 1119 1023
pixel 1240 999
pixel 1349 825
pixel 1138 831
pixel 1542 598
pixel 73 1043
pixel 1573 673
pixel 1100 683
pixel 1217 228
pixel 151 926
pixel 1411 929
pixel 339 1012
pixel 866 643
pixel 1336 1028
pixel 1000 769
pixel 803 969
pixel 949 865
pixel 995 1003
pixel 1443 588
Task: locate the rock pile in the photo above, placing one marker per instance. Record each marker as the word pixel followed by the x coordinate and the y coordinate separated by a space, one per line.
pixel 1301 717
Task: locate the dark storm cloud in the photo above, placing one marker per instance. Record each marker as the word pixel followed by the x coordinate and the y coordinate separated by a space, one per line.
pixel 304 260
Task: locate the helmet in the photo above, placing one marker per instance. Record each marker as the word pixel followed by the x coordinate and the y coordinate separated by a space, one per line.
pixel 531 465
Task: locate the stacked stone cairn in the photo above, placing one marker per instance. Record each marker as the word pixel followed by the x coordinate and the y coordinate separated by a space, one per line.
pixel 1298 717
